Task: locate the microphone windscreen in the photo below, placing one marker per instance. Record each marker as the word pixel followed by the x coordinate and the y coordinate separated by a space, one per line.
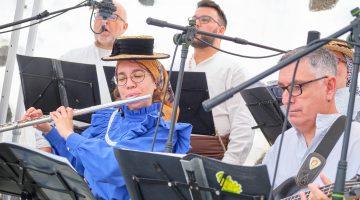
pixel 147 2
pixel 312 35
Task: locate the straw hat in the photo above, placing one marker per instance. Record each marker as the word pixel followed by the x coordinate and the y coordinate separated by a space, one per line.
pixel 134 48
pixel 341 47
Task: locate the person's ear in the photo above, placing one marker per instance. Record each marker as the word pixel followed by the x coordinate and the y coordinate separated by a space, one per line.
pixel 125 26
pixel 221 30
pixel 330 87
pixel 154 86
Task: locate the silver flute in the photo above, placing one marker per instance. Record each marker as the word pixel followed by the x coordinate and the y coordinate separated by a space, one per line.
pixel 47 118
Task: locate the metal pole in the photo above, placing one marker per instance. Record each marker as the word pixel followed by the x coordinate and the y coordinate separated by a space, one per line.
pixel 30 46
pixel 5 93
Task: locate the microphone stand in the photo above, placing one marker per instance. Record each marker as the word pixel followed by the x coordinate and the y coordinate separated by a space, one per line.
pixel 185 39
pixel 338 192
pixel 47 13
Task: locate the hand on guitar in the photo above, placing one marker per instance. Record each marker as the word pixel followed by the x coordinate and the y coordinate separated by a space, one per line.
pixel 63 118
pixel 315 192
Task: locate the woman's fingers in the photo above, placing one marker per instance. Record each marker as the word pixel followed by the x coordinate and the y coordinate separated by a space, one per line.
pixel 70 112
pixel 32 113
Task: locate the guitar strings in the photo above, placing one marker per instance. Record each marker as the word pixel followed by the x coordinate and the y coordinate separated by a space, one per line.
pixel 326 189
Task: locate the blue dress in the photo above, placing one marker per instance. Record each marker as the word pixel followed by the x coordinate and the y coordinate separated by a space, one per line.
pixel 94 158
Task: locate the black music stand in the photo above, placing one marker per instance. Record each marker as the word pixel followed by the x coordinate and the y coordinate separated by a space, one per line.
pixel 150 175
pixel 31 174
pixel 49 83
pixel 266 111
pixel 193 92
pixel 110 75
pixel 245 182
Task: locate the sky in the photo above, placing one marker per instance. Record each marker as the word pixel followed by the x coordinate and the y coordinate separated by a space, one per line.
pixel 282 24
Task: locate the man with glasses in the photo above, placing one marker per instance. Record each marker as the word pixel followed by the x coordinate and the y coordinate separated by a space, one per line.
pixel 105 33
pixel 232 117
pixel 312 111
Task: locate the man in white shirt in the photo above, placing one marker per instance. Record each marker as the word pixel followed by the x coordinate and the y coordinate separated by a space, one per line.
pixel 115 26
pixel 312 111
pixel 222 73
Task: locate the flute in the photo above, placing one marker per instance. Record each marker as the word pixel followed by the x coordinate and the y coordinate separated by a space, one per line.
pixel 47 118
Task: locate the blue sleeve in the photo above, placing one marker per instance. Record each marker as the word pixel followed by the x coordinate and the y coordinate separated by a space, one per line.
pixel 58 145
pixel 183 132
pixel 92 153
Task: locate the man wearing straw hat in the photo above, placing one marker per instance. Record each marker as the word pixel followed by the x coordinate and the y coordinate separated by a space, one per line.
pixel 344 55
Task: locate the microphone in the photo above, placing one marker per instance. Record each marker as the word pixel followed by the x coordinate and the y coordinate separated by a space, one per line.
pixel 147 2
pixel 106 9
pixel 177 38
pixel 103 25
pixel 312 36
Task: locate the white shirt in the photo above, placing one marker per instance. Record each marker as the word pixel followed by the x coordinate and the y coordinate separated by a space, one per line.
pixel 92 55
pixel 232 116
pixel 295 150
pixel 342 100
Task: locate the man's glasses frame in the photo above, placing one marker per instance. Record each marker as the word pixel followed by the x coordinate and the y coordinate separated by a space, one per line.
pixel 204 19
pixel 298 88
pixel 112 17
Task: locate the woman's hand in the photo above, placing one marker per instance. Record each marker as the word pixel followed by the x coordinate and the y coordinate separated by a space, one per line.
pixel 33 113
pixel 63 118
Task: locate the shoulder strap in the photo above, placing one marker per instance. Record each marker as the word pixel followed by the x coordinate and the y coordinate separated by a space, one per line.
pixel 315 161
pixel 331 137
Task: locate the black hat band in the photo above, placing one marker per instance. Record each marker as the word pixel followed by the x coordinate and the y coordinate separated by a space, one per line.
pixel 133 46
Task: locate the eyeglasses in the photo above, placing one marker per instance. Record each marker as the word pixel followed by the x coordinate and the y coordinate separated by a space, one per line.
pixel 297 90
pixel 136 76
pixel 112 17
pixel 277 92
pixel 204 19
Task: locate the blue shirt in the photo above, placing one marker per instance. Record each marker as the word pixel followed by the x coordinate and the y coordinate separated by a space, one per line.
pixel 94 159
pixel 295 150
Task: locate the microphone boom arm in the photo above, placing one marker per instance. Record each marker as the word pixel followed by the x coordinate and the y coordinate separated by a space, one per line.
pixel 47 14
pixel 164 24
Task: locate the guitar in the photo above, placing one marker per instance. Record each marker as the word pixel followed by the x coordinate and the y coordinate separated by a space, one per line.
pixel 351 191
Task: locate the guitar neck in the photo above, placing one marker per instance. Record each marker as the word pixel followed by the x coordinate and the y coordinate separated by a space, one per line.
pixel 327 189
